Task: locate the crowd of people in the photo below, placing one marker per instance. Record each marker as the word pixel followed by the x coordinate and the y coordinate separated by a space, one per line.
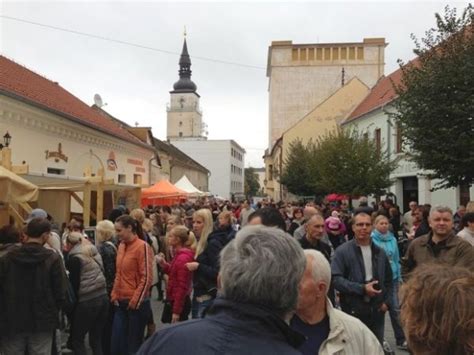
pixel 259 278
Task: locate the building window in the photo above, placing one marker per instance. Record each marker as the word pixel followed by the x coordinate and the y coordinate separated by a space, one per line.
pixel 137 179
pixel 56 171
pixel 294 54
pixel 343 53
pixel 122 178
pixel 180 123
pixel 378 140
pixel 319 54
pixel 270 172
pixel 352 53
pixel 398 137
pixel 303 54
pixel 327 53
pixel 180 134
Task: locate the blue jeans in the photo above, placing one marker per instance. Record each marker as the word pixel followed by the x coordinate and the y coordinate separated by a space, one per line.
pixel 394 311
pixel 198 308
pixel 128 328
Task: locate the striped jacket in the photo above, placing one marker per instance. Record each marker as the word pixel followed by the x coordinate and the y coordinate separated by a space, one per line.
pixel 134 273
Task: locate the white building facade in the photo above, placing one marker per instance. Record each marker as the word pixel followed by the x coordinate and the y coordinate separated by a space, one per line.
pixel 410 183
pixel 63 141
pixel 225 160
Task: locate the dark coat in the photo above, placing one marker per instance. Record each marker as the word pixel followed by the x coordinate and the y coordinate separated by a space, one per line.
pixel 32 289
pixel 320 246
pixel 108 252
pixel 348 273
pixel 228 329
pixel 452 251
pixel 205 277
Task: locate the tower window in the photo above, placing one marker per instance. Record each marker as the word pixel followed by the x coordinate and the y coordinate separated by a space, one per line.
pixel 180 123
pixel 180 134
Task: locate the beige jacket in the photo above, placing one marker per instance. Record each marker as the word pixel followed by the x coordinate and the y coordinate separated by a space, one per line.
pixel 348 335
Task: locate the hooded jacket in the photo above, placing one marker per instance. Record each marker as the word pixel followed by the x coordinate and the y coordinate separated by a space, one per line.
pixel 86 273
pixel 32 289
pixel 180 279
pixel 390 246
pixel 229 328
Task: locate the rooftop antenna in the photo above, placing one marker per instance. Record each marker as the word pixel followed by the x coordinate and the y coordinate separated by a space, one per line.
pixel 98 101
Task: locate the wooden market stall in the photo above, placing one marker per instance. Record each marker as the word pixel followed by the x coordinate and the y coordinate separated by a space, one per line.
pixel 15 193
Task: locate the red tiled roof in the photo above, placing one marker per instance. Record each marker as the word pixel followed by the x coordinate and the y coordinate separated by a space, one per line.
pixel 381 94
pixel 37 90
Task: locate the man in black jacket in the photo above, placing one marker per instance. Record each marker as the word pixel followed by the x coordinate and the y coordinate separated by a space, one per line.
pixel 259 278
pixel 32 290
pixel 362 274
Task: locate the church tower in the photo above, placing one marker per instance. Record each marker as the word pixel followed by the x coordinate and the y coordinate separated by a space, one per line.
pixel 184 119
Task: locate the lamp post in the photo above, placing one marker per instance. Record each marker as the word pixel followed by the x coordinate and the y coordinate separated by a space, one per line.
pixel 6 151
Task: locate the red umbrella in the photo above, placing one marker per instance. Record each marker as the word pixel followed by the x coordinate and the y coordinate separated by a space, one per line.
pixel 335 197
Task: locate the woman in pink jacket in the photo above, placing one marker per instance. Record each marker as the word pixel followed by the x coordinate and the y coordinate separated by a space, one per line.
pixel 178 302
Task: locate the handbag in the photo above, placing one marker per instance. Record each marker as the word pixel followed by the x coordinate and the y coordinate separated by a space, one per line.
pixel 167 314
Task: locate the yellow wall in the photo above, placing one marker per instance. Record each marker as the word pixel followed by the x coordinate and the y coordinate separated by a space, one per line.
pixel 325 117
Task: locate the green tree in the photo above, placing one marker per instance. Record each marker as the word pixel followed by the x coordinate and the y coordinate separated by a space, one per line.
pixel 350 164
pixel 251 184
pixel 342 162
pixel 435 105
pixel 298 169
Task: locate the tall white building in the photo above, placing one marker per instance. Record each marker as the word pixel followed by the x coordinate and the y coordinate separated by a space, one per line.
pixel 225 159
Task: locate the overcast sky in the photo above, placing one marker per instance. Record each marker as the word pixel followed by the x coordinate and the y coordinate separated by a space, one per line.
pixel 135 82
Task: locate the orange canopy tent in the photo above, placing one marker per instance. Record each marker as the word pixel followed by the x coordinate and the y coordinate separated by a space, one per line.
pixel 162 193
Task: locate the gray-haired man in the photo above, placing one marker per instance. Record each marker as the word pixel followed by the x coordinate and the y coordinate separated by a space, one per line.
pixel 441 245
pixel 259 277
pixel 327 330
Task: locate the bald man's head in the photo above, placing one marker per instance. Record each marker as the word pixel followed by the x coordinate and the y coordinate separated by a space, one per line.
pixel 309 212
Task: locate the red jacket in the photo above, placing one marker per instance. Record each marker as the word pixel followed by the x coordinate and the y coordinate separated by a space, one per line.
pixel 134 274
pixel 180 278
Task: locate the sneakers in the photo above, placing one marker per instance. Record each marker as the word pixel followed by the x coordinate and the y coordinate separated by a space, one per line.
pixel 403 346
pixel 387 349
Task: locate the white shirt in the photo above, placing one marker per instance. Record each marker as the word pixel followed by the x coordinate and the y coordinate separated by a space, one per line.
pixel 367 256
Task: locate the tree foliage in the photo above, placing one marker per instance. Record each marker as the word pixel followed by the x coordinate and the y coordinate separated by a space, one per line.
pixel 297 171
pixel 435 108
pixel 342 162
pixel 251 184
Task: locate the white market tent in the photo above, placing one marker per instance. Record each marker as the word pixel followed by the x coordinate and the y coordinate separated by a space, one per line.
pixel 186 185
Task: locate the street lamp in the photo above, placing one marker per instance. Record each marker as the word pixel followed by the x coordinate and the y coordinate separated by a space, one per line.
pixel 6 140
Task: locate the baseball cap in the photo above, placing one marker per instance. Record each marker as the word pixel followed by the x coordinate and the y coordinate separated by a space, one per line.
pixel 36 213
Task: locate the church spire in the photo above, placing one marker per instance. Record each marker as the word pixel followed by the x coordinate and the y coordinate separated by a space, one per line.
pixel 184 84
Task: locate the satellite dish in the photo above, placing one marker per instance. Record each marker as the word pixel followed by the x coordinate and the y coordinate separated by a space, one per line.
pixel 98 100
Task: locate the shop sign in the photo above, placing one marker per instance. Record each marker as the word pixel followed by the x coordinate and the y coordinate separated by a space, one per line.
pixel 58 155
